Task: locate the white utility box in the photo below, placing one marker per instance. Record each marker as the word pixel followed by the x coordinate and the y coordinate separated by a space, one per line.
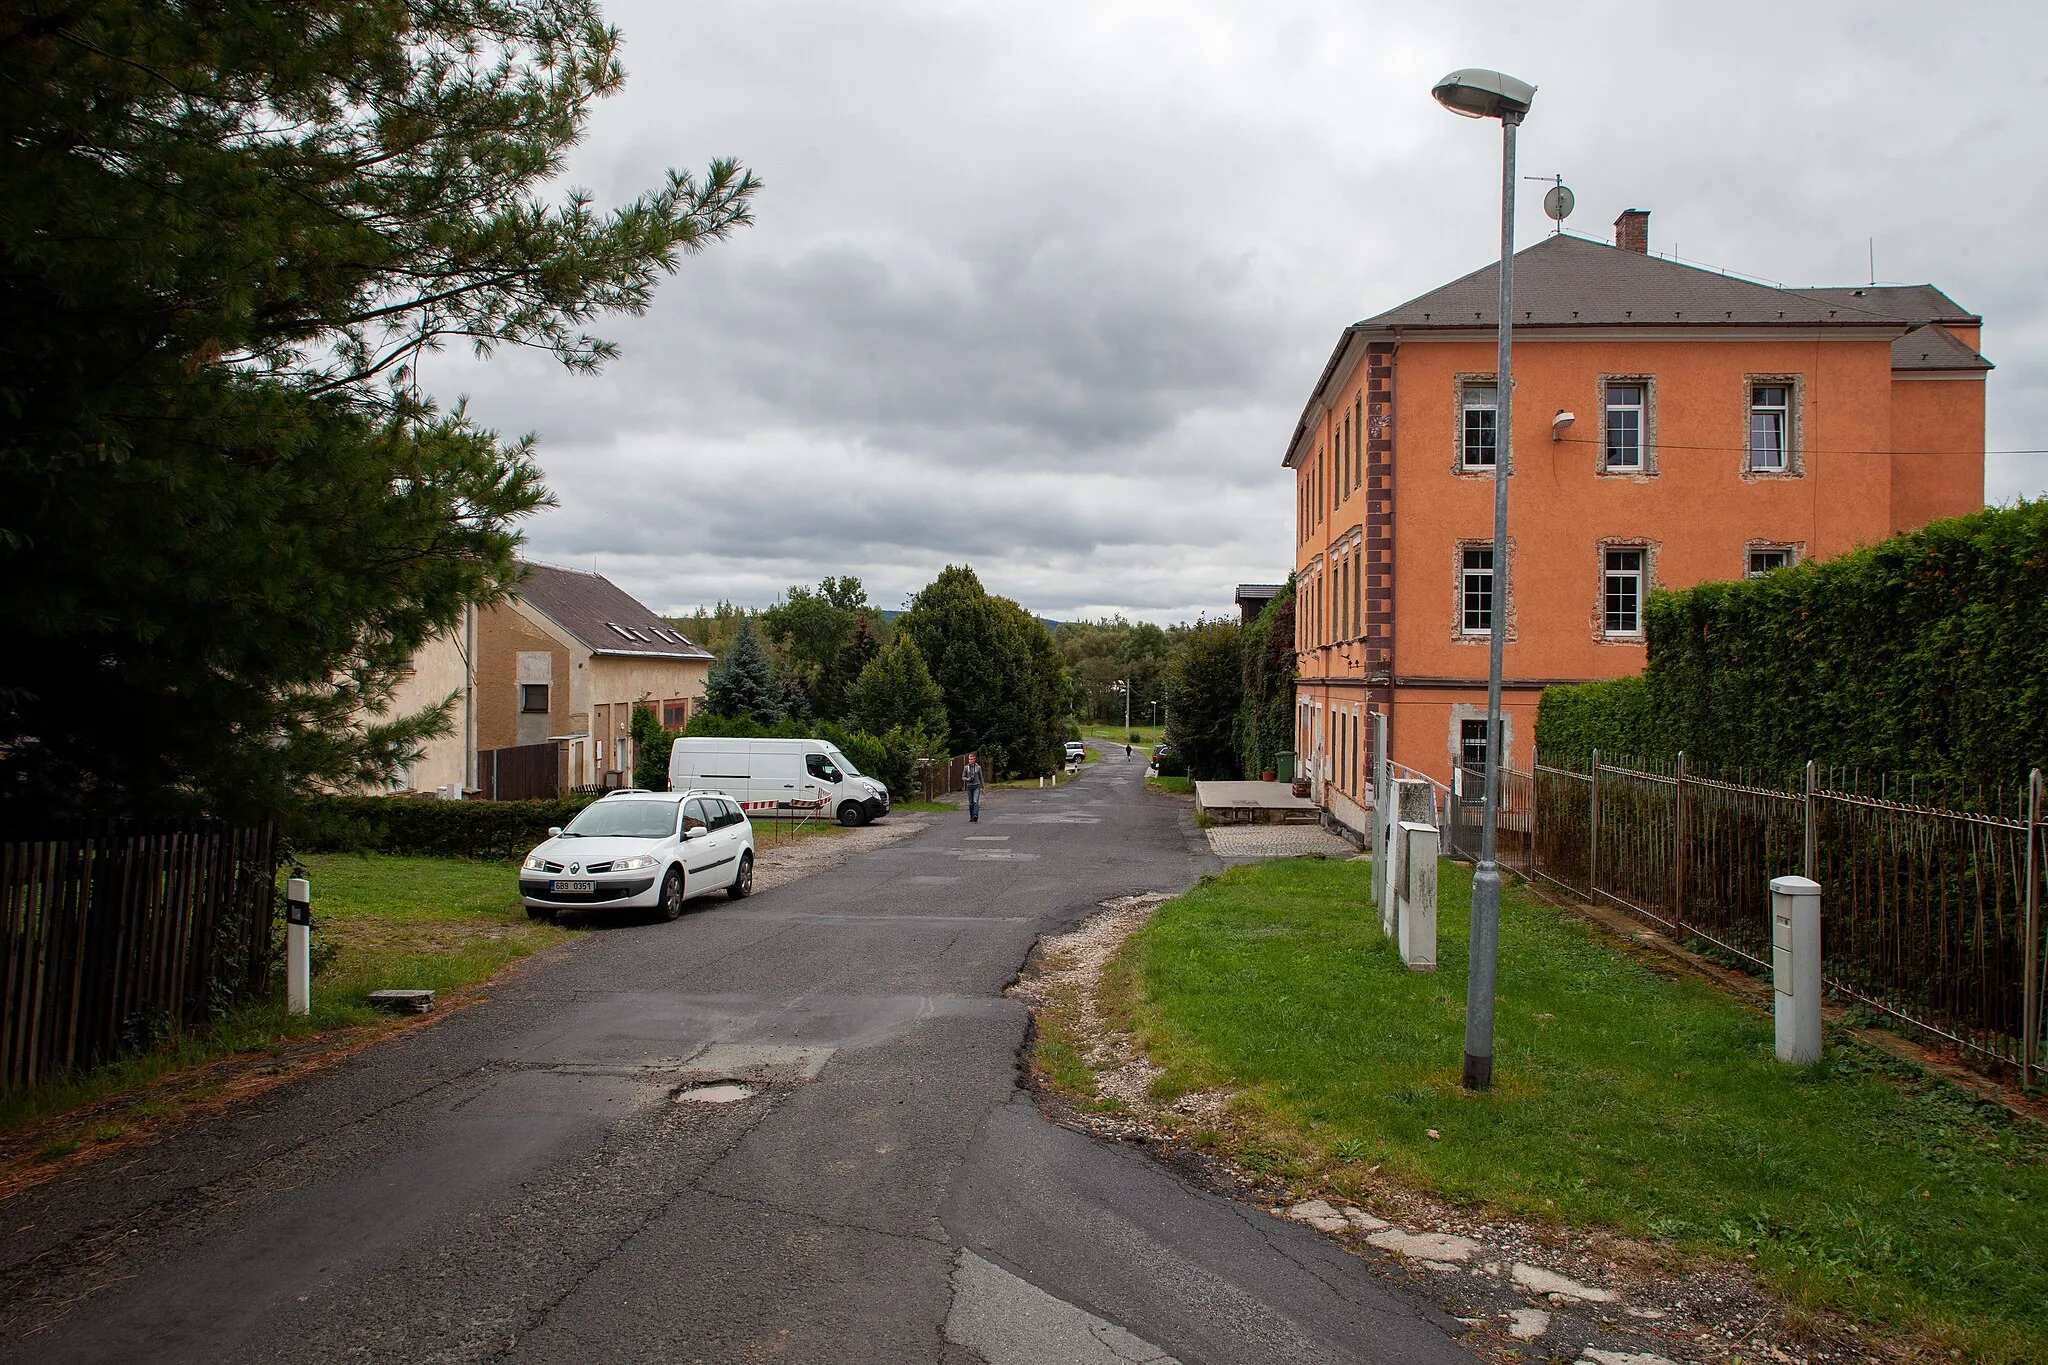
pixel 1418 895
pixel 1795 966
pixel 1408 799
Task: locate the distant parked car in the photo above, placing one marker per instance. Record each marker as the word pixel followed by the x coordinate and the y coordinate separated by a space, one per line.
pixel 641 851
pixel 1160 751
pixel 1077 752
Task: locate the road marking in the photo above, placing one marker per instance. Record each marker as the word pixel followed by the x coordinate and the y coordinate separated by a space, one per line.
pixel 988 838
pixel 1010 1321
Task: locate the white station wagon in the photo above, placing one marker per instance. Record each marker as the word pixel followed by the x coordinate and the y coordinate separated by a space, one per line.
pixel 641 851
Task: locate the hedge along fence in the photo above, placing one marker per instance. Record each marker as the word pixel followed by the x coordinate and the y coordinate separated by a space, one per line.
pixel 417 825
pixel 1926 654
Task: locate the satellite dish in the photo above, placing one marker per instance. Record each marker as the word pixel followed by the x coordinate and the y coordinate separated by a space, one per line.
pixel 1558 202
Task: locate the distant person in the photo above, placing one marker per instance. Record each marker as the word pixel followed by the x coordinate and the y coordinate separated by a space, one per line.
pixel 1127 753
pixel 971 776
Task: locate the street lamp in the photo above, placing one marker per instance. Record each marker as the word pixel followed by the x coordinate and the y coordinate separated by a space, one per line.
pixel 1476 93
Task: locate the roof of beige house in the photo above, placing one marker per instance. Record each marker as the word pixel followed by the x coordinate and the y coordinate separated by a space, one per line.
pixel 602 615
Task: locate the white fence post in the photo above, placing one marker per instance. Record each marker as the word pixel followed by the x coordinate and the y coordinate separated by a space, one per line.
pixel 298 946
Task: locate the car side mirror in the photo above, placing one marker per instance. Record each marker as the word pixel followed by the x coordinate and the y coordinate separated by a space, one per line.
pixel 695 832
pixel 554 831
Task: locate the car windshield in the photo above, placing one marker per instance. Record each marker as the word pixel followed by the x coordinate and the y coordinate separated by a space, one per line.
pixel 624 820
pixel 840 762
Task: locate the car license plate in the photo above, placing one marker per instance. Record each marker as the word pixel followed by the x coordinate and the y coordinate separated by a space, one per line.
pixel 572 888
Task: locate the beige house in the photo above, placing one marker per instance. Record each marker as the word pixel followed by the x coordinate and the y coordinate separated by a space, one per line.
pixel 563 662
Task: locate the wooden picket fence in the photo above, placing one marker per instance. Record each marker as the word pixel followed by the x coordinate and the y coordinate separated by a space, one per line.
pixel 122 939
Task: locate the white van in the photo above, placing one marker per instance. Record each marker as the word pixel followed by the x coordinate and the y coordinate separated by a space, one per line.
pixel 779 774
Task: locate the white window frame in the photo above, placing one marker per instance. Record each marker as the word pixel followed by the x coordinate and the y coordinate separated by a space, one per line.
pixel 1610 576
pixel 1783 411
pixel 1467 409
pixel 1609 409
pixel 1790 554
pixel 1488 581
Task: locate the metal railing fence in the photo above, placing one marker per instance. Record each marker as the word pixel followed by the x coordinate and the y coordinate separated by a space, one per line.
pixel 1930 914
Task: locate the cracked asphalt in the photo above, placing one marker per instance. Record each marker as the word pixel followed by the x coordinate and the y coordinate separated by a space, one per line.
pixel 530 1179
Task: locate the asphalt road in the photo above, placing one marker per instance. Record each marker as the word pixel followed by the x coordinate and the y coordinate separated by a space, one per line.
pixel 533 1179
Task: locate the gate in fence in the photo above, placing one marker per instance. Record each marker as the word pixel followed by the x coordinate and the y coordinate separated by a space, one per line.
pixel 115 941
pixel 1930 914
pixel 524 772
pixel 937 777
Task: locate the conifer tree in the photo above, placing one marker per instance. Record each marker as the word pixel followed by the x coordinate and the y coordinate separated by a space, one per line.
pixel 744 683
pixel 227 233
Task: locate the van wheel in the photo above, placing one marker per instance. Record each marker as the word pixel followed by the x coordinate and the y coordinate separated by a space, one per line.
pixel 742 880
pixel 672 894
pixel 853 813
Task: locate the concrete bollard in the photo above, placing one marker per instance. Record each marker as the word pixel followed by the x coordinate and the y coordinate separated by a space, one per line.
pixel 1418 895
pixel 1795 967
pixel 298 946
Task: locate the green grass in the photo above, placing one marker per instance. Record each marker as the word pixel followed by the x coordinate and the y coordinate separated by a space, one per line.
pixel 1148 735
pixel 1623 1098
pixel 378 922
pixel 929 805
pixel 1183 785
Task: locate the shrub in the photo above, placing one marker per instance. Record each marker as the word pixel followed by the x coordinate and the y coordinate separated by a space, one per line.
pixel 421 825
pixel 1614 717
pixel 1171 764
pixel 1924 654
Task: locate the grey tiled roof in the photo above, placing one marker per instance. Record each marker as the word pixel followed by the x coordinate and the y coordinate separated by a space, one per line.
pixel 601 614
pixel 1565 281
pixel 1911 302
pixel 1934 347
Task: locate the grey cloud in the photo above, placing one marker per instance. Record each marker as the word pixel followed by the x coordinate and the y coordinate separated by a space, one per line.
pixel 1045 288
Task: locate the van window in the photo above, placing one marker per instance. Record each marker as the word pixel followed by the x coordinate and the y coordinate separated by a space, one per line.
pixel 844 764
pixel 821 767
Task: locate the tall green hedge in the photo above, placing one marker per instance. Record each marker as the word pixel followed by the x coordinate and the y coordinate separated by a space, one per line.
pixel 1924 654
pixel 419 825
pixel 1614 717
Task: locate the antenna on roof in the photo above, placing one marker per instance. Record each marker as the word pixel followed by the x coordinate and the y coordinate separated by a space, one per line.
pixel 1873 259
pixel 1557 200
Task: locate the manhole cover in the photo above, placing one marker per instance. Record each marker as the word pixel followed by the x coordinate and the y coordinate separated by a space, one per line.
pixel 719 1092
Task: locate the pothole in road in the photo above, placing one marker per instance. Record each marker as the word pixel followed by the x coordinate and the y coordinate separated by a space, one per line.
pixel 717 1092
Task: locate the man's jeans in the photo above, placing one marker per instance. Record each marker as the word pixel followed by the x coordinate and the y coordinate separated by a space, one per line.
pixel 974 803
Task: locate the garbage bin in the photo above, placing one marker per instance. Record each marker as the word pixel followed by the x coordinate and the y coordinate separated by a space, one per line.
pixel 1283 765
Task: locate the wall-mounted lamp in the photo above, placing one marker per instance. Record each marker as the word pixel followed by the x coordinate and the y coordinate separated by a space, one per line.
pixel 1559 423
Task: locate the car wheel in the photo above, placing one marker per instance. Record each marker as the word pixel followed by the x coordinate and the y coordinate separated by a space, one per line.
pixel 742 880
pixel 540 912
pixel 852 814
pixel 672 894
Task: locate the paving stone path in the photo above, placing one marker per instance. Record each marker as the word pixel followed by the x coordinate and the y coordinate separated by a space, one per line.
pixel 1276 841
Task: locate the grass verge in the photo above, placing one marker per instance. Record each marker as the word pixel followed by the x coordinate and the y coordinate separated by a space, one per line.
pixel 1148 735
pixel 379 922
pixel 1624 1099
pixel 1183 786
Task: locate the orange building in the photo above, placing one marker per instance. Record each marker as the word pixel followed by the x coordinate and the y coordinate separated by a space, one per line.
pixel 1672 425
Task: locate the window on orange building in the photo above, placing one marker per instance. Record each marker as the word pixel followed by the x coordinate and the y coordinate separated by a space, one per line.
pixel 1480 407
pixel 1475 590
pixel 1770 427
pixel 1622 592
pixel 1625 426
pixel 1763 559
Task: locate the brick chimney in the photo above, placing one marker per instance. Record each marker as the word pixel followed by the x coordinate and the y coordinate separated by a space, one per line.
pixel 1632 231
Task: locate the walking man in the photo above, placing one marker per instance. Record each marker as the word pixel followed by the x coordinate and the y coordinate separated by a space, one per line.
pixel 971 775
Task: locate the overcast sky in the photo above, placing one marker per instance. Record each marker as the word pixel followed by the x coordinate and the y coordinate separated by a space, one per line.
pixel 1043 288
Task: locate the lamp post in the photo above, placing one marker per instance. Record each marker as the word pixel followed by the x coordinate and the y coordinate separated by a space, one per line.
pixel 1475 93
